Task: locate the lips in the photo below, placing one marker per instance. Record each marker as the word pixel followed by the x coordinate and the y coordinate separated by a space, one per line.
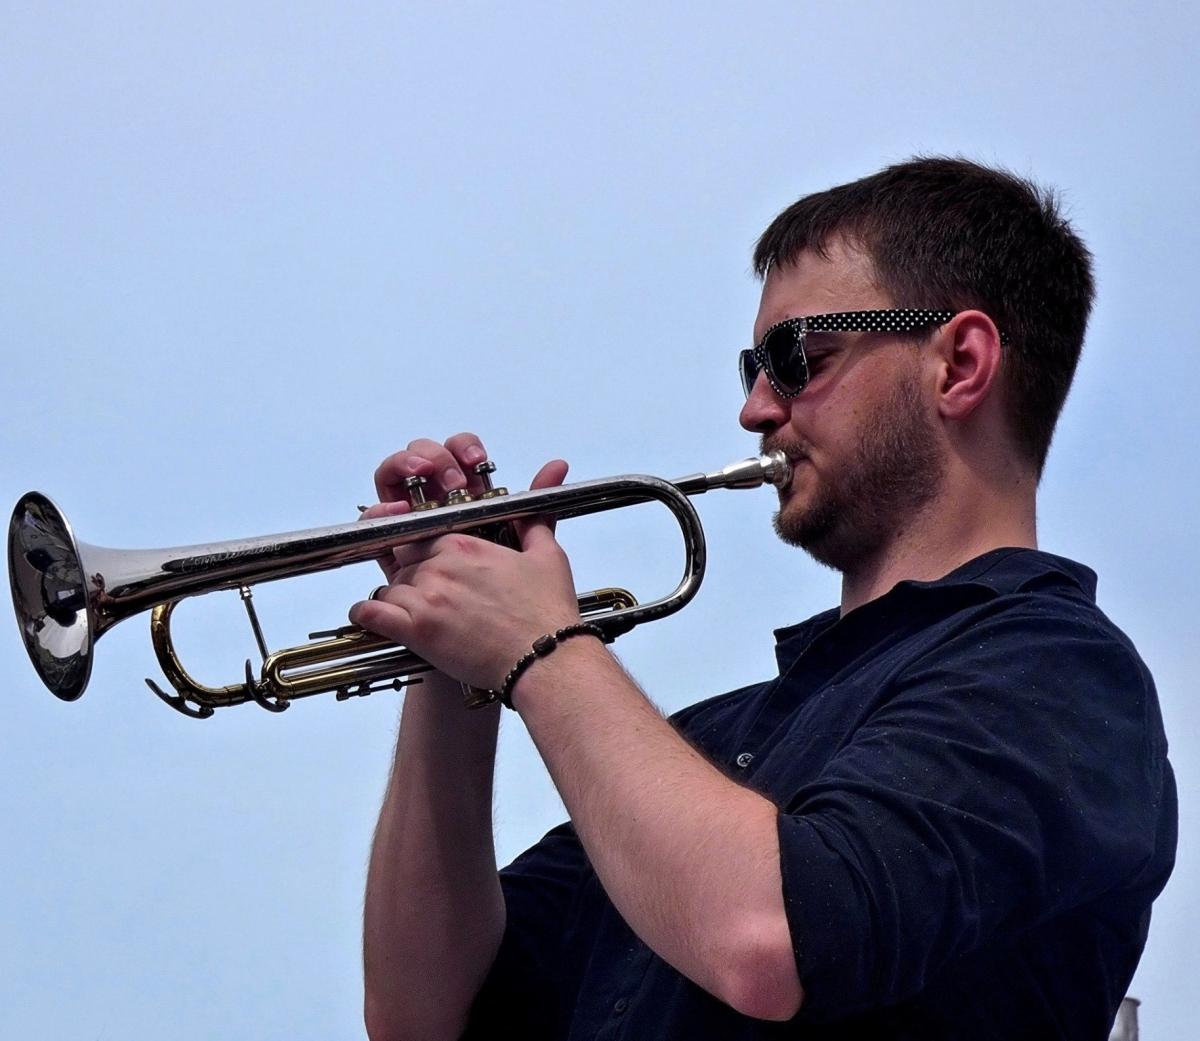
pixel 796 461
pixel 794 455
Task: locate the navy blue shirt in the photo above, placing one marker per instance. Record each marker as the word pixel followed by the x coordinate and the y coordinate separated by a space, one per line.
pixel 975 813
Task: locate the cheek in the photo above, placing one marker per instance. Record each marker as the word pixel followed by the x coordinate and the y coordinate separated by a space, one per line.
pixel 859 398
pixel 829 415
pixel 832 420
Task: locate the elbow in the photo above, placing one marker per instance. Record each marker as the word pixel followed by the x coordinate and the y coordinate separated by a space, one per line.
pixel 763 983
pixel 379 1025
pixel 375 1022
pixel 383 1024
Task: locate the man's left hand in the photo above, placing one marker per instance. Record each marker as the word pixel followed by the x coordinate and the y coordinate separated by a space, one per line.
pixel 470 607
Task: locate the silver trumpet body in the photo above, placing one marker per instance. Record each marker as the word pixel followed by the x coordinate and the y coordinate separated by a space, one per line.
pixel 67 594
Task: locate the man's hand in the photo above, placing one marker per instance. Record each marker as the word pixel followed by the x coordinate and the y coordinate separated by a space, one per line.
pixel 642 799
pixel 444 468
pixel 469 607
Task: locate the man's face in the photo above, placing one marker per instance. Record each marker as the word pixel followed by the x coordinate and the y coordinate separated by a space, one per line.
pixel 865 451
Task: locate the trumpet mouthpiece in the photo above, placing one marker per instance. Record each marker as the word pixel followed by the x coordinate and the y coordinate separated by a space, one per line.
pixel 772 468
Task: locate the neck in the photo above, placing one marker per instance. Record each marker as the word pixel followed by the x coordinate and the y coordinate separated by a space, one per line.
pixel 950 530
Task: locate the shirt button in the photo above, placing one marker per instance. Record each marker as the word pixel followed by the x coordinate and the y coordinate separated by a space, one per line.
pixel 745 759
pixel 619 1006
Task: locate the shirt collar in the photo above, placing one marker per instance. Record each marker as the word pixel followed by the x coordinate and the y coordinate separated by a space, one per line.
pixel 997 572
pixel 1011 570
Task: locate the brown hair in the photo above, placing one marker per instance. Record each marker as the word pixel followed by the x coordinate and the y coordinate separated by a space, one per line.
pixel 948 233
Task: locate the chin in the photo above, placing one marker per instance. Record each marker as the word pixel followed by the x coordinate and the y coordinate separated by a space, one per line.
pixel 824 529
pixel 803 524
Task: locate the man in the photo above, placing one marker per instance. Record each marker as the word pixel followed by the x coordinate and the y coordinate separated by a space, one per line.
pixel 949 813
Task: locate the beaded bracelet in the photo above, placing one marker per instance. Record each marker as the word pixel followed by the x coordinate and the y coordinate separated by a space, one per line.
pixel 542 646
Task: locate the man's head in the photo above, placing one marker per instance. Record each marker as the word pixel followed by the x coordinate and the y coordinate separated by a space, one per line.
pixel 865 451
pixel 952 234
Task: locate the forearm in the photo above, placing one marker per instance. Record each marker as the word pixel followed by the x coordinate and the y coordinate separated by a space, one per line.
pixel 434 913
pixel 689 858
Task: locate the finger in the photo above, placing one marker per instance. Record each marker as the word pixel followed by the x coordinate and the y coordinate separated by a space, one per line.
pixel 550 475
pixel 460 544
pixel 413 553
pixel 385 509
pixel 390 615
pixel 450 469
pixel 391 474
pixel 449 466
pixel 537 533
pixel 468 452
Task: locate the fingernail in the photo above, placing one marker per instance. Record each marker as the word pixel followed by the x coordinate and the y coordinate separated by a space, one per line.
pixel 452 477
pixel 475 454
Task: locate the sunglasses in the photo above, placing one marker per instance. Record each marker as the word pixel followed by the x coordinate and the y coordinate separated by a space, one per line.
pixel 781 351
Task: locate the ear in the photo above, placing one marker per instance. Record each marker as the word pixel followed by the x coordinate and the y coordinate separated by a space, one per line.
pixel 970 361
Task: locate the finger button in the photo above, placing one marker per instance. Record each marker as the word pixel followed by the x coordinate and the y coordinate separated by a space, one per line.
pixel 416 494
pixel 484 471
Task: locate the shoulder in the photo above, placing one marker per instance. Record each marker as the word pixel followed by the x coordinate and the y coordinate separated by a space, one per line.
pixel 1012 660
pixel 1028 618
pixel 1039 656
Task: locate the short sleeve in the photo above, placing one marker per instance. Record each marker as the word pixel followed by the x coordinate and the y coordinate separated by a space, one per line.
pixel 531 984
pixel 1015 774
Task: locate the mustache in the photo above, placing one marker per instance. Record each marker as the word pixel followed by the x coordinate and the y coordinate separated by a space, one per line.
pixel 794 450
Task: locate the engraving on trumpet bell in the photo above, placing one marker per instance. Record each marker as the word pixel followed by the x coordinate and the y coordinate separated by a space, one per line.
pixel 203 562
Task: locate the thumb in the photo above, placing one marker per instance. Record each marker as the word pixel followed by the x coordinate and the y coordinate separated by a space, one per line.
pixel 550 475
pixel 536 533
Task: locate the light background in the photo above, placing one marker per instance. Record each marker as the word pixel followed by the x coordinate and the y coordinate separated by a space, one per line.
pixel 247 249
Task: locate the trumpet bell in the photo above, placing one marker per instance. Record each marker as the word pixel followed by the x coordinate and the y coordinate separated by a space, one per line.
pixel 50 597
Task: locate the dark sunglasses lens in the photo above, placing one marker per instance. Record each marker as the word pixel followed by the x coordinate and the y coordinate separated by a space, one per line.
pixel 785 358
pixel 748 368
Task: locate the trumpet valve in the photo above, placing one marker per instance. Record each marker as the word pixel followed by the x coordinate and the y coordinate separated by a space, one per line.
pixel 484 471
pixel 416 494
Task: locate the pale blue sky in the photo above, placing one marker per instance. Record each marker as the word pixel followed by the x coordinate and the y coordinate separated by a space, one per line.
pixel 248 249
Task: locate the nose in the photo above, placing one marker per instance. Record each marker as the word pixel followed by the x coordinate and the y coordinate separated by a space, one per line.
pixel 764 411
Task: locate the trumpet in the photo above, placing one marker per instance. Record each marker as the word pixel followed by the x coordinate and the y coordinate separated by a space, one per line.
pixel 67 594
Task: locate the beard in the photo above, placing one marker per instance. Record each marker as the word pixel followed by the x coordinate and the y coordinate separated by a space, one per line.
pixel 893 472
